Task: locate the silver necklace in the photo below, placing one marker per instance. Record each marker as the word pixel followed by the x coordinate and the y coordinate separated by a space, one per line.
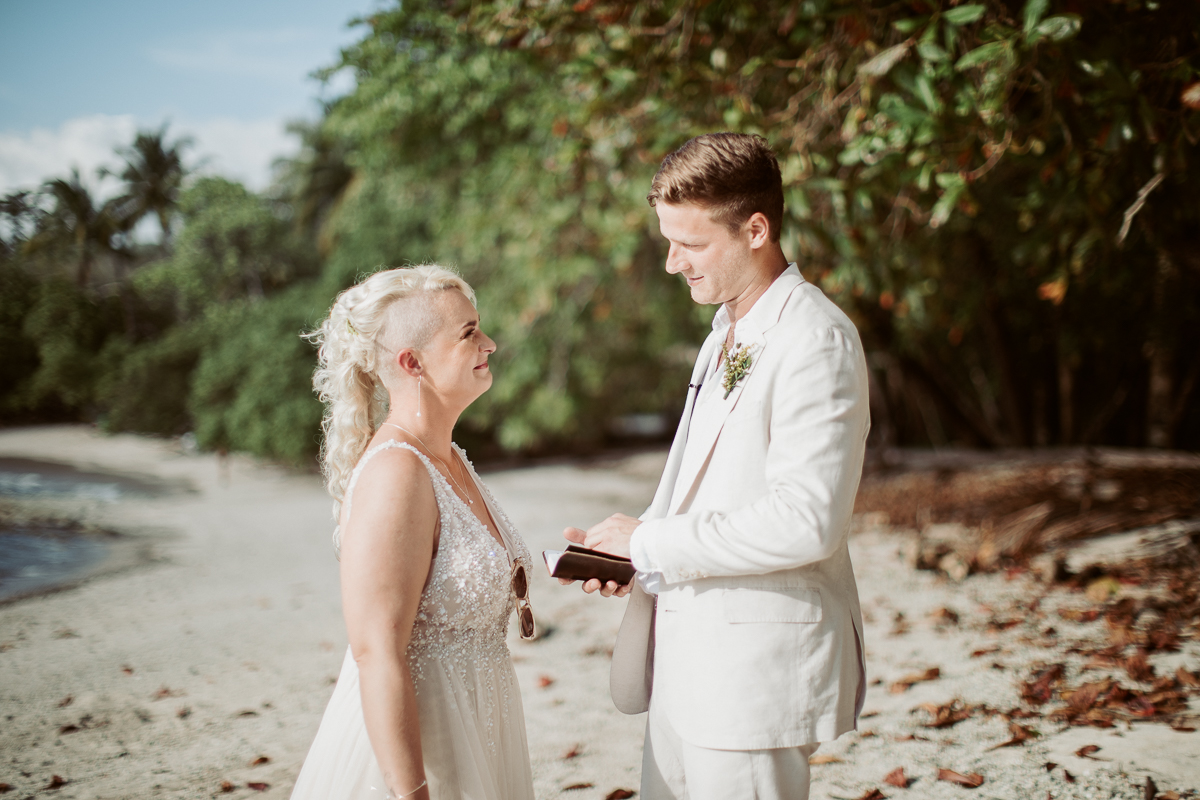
pixel 449 473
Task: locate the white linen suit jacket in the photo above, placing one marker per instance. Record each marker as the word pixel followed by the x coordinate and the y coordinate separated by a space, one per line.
pixel 756 641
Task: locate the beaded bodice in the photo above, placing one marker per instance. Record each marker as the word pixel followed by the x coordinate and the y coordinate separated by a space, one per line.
pixel 462 620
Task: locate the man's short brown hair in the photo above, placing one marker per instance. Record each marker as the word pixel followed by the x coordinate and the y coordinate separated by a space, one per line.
pixel 734 175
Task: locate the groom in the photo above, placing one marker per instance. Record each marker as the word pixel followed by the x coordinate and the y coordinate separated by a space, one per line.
pixel 743 635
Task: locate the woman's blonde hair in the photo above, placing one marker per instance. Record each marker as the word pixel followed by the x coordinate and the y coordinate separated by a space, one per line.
pixel 367 325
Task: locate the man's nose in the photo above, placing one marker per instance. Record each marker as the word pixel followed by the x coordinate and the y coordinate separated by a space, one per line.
pixel 675 264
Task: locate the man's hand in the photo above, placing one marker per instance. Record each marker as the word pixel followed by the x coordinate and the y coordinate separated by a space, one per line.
pixel 610 536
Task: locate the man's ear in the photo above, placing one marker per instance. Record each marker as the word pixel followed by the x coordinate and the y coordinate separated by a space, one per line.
pixel 408 362
pixel 758 229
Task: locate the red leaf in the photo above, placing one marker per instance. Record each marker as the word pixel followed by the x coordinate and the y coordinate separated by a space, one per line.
pixel 1087 750
pixel 874 794
pixel 972 780
pixel 260 760
pixel 620 794
pixel 227 787
pixel 543 681
pixel 128 670
pixel 56 781
pixel 1070 778
pixel 575 786
pixel 258 787
pixel 897 778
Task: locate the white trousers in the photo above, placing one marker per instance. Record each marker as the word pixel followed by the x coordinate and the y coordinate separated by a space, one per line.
pixel 672 769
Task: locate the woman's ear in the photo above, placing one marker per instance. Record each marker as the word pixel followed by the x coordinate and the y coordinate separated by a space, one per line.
pixel 408 362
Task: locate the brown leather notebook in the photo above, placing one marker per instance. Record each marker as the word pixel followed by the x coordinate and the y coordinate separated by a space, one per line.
pixel 580 564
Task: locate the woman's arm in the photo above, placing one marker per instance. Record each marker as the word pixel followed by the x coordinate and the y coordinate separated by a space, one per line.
pixel 387 548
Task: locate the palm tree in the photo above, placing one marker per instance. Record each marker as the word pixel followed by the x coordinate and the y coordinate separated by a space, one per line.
pixel 153 176
pixel 76 220
pixel 19 216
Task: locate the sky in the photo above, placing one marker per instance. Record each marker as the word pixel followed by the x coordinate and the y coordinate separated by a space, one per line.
pixel 80 77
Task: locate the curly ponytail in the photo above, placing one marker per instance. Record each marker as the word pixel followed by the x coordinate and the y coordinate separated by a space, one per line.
pixel 351 351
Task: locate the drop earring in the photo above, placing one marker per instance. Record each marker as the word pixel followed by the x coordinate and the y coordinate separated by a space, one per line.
pixel 419 379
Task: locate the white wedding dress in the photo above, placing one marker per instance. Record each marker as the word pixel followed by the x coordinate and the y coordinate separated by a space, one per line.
pixel 469 704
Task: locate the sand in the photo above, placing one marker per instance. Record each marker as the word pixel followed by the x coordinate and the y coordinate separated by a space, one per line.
pixel 211 640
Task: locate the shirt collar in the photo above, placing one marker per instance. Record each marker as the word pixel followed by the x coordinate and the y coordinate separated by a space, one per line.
pixel 766 309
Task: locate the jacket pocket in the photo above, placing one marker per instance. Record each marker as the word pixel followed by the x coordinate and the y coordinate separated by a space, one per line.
pixel 782 605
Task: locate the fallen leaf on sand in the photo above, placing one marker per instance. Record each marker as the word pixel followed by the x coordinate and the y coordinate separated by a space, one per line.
pixel 972 780
pixel 1087 750
pixel 258 786
pixel 165 692
pixel 984 651
pixel 68 729
pixel 66 701
pixel 944 616
pixel 1151 790
pixel 948 714
pixel 574 786
pixel 1020 735
pixel 1039 689
pixel 620 794
pixel 1172 795
pixel 260 760
pixel 1070 778
pixel 573 752
pixel 1138 668
pixel 1050 766
pixel 903 685
pixel 4 787
pixel 1186 678
pixel 249 712
pixel 227 787
pixel 824 758
pixel 897 778
pixel 909 737
pixel 867 714
pixel 543 681
pixel 55 782
pixel 873 794
pixel 1181 728
pixel 183 712
pixel 128 670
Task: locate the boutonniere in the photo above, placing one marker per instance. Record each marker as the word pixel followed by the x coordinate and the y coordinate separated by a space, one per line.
pixel 737 365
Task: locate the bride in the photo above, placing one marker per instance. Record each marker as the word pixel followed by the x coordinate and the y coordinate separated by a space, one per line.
pixel 427 704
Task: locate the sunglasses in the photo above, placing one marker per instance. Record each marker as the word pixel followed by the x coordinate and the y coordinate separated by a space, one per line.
pixel 520 588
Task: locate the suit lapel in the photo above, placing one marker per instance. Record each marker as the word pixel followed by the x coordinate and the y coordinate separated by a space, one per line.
pixel 666 484
pixel 707 422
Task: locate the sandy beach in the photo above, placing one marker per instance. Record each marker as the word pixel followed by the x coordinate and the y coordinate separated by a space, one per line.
pixel 196 661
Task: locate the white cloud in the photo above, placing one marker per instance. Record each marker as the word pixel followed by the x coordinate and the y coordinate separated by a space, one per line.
pixel 238 149
pixel 27 159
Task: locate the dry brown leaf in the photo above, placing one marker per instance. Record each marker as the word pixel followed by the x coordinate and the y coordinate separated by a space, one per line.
pixel 1087 752
pixel 258 786
pixel 824 758
pixel 183 712
pixel 55 782
pixel 68 729
pixel 1151 790
pixel 873 794
pixel 165 692
pixel 66 701
pixel 248 712
pixel 1180 728
pixel 944 616
pixel 573 752
pixel 984 651
pixel 1186 678
pixel 1139 668
pixel 1070 778
pixel 575 786
pixel 5 788
pixel 1050 766
pixel 1020 735
pixel 227 787
pixel 868 714
pixel 1171 795
pixel 543 681
pixel 260 761
pixel 128 670
pixel 902 685
pixel 897 778
pixel 972 780
pixel 620 794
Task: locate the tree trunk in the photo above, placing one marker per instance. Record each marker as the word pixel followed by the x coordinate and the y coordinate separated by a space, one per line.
pixel 1159 405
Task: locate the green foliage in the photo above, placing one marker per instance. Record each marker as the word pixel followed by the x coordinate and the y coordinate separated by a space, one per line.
pixel 232 245
pixel 252 387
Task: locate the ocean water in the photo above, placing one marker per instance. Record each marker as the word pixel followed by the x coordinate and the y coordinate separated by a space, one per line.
pixel 34 559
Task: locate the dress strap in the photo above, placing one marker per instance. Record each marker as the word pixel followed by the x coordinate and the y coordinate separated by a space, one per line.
pixel 434 475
